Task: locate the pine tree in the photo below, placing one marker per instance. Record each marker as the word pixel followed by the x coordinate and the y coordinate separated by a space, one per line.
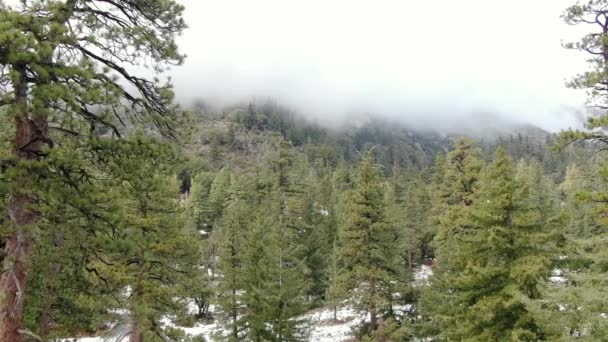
pixel 333 291
pixel 233 230
pixel 255 278
pixel 152 256
pixel 213 207
pixel 367 245
pixel 275 271
pixel 70 86
pixel 286 291
pixel 412 209
pixel 315 243
pixel 329 203
pixel 586 256
pixel 577 184
pixel 577 306
pixel 437 200
pixel 199 198
pixel 454 185
pixel 505 255
pixel 591 12
pixel 131 234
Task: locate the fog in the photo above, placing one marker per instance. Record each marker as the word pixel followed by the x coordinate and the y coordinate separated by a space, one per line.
pixel 428 63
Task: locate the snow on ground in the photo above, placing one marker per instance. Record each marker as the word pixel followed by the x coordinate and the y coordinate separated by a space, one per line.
pixel 422 275
pixel 323 327
pixel 557 277
pixel 321 321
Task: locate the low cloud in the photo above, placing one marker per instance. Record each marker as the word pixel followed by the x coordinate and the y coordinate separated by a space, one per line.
pixel 437 64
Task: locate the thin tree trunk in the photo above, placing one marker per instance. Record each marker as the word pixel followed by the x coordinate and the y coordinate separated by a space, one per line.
pixel 235 328
pixel 335 312
pixel 13 281
pixel 334 277
pixel 372 312
pixel 136 333
pixel 373 320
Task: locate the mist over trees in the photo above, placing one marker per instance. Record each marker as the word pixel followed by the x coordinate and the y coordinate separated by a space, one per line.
pixel 126 217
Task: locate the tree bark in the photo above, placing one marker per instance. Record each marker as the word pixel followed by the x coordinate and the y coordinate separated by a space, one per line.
pixel 31 133
pixel 136 333
pixel 373 318
pixel 27 145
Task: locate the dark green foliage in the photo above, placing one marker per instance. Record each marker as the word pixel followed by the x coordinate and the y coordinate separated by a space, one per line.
pixel 425 209
pixel 503 252
pixel 233 286
pixel 453 187
pixel 102 206
pixel 278 208
pixel 367 242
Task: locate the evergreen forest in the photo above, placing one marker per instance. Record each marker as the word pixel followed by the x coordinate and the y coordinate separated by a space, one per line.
pixel 127 216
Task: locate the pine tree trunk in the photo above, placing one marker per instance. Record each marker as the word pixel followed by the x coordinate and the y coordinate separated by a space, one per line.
pixel 373 320
pixel 335 312
pixel 136 333
pixel 13 281
pixel 235 328
pixel 14 277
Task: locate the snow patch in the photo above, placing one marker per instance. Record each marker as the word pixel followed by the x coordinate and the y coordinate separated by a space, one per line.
pixel 422 275
pixel 324 328
pixel 557 277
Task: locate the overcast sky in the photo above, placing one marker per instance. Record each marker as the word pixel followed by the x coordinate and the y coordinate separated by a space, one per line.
pixel 416 60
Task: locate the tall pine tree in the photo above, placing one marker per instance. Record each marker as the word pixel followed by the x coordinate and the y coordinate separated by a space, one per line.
pixel 367 245
pixel 70 85
pixel 505 257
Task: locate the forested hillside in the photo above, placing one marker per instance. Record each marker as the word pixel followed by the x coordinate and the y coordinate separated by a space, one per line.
pixel 126 216
pixel 327 217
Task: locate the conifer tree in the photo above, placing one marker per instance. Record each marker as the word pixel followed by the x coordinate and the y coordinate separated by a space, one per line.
pixel 592 13
pixel 437 201
pixel 507 257
pixel 286 291
pixel 329 203
pixel 454 185
pixel 275 272
pixel 152 256
pixel 333 270
pixel 255 278
pixel 315 241
pixel 577 183
pixel 218 195
pixel 70 85
pixel 367 245
pixel 199 198
pixel 586 257
pixel 577 306
pixel 413 208
pixel 233 231
pixel 131 233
